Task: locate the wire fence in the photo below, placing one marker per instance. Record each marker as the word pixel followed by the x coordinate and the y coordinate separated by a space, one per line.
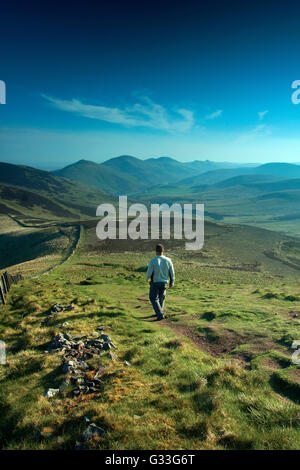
pixel 6 282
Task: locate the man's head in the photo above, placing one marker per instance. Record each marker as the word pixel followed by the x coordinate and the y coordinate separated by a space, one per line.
pixel 159 249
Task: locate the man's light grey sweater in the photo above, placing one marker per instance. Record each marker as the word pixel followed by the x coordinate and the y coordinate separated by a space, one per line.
pixel 162 268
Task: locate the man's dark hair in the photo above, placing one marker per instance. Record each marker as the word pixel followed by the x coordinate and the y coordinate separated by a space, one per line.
pixel 159 248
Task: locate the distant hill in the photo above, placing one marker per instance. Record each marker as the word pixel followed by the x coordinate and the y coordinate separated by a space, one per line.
pixel 249 180
pixel 94 174
pixel 215 176
pixel 262 194
pixel 268 201
pixel 208 165
pixel 288 170
pixel 126 174
pixel 282 170
pixel 27 189
pixel 158 170
pixel 262 183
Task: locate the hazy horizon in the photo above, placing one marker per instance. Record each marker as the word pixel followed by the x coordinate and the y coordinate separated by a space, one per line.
pixel 46 167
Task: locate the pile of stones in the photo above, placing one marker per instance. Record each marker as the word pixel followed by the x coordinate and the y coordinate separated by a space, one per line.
pixel 75 351
pixel 54 310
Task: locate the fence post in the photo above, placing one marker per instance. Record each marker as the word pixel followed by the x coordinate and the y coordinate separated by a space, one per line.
pixel 8 280
pixel 2 295
pixel 4 284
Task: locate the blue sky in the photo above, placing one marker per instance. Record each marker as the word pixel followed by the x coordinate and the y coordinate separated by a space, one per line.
pixel 182 79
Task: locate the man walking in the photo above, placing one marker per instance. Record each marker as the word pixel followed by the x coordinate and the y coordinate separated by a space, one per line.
pixel 159 270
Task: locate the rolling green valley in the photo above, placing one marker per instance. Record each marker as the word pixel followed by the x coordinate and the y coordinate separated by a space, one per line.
pixel 216 373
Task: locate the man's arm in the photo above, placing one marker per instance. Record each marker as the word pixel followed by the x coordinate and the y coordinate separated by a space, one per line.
pixel 172 274
pixel 149 271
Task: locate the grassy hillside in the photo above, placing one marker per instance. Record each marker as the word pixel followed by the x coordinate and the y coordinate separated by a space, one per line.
pixel 250 184
pixel 267 201
pixel 215 374
pixel 34 249
pixel 17 201
pixel 100 176
pixel 35 192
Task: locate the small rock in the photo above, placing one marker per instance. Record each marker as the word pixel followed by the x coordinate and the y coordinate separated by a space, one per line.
pixel 65 324
pixel 97 382
pixel 68 366
pixel 77 373
pixel 82 365
pixel 56 308
pixel 118 372
pixel 91 431
pixel 100 372
pixel 127 364
pixel 113 356
pixel 105 338
pixel 51 392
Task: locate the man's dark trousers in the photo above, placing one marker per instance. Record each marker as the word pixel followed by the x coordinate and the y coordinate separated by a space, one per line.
pixel 157 295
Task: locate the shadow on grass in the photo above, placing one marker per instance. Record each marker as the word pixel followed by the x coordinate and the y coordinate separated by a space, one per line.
pixel 10 430
pixel 53 379
pixel 17 342
pixel 160 372
pixel 198 430
pixel 188 387
pixel 204 403
pixel 93 315
pixel 23 367
pixel 144 318
pixel 233 443
pixel 284 388
pixel 209 316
